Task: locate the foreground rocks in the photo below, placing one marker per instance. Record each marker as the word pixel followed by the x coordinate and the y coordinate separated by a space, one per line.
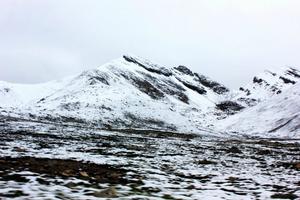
pixel 63 168
pixel 75 163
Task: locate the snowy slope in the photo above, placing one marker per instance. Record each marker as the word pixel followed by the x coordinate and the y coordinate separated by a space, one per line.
pixel 278 116
pixel 134 93
pixel 129 92
pixel 266 85
pixel 14 95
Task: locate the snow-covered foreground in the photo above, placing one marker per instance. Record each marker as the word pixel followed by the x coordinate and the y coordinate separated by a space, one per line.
pixel 63 162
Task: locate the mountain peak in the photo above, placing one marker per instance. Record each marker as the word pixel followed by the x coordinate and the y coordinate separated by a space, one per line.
pixel 149 66
pixel 267 84
pixel 133 92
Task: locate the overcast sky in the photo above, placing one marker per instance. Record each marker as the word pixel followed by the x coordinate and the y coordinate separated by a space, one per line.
pixel 229 41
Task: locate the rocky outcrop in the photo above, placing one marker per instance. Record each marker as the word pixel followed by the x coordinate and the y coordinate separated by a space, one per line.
pixel 278 116
pixel 266 85
pixel 148 65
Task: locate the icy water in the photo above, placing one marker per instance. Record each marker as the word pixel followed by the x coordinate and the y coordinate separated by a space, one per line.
pixel 74 163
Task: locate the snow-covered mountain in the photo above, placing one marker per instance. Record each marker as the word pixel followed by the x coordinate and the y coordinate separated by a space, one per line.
pixel 134 93
pixel 266 85
pixel 278 116
pixel 129 92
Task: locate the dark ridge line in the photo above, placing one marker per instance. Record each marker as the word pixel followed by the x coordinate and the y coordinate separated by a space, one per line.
pixel 192 87
pixel 282 125
pixel 128 59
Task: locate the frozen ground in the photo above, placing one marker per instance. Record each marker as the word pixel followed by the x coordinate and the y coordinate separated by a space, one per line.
pixel 60 162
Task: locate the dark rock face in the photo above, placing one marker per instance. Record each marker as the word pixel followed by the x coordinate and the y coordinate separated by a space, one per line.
pixel 286 80
pixel 198 89
pixel 150 84
pixel 200 80
pixel 149 67
pixel 184 70
pixel 247 91
pixel 215 86
pixel 41 100
pixel 143 85
pixel 148 88
pixel 95 80
pixel 229 106
pixel 248 101
pixel 94 77
pixel 175 90
pixel 168 87
pixel 294 72
pixel 275 89
pixel 257 80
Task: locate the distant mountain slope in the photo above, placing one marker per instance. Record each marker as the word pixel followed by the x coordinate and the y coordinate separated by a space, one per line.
pixel 278 116
pixel 16 95
pixel 266 85
pixel 129 92
pixel 134 93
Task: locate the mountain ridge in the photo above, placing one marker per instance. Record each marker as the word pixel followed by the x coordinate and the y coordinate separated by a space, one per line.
pixel 132 92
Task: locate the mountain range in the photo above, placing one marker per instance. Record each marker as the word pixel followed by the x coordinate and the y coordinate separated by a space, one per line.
pixel 134 93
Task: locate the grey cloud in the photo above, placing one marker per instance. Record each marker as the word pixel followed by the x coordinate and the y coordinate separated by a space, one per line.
pixel 230 41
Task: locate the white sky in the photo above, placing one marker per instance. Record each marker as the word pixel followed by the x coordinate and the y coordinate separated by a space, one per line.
pixel 229 41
